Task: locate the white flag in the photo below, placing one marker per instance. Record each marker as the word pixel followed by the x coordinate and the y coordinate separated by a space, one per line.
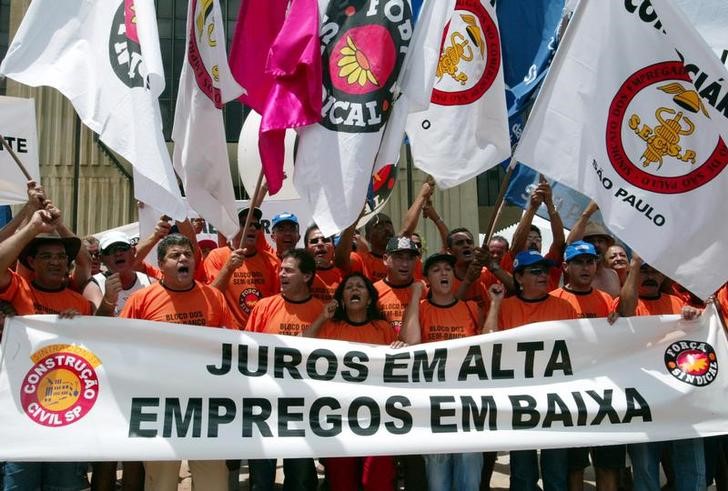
pixel 464 132
pixel 200 150
pixel 620 120
pixel 366 54
pixel 104 56
pixel 17 126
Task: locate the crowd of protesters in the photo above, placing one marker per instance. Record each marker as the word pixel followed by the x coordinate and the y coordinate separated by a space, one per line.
pixel 379 288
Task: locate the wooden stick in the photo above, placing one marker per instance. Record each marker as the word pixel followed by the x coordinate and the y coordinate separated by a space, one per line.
pixel 499 203
pixel 25 172
pixel 251 207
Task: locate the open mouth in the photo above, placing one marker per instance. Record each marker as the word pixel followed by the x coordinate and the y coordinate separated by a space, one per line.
pixel 183 269
pixel 356 297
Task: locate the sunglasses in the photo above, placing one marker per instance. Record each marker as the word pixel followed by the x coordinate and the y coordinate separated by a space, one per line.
pixel 536 271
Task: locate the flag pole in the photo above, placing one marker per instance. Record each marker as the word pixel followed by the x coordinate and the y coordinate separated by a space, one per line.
pixel 499 202
pixel 255 200
pixel 25 172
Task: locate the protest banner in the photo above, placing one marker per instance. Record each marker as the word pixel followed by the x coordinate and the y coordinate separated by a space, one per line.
pixel 107 389
pixel 17 126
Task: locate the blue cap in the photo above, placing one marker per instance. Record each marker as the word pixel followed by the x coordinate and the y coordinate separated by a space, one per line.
pixel 579 248
pixel 529 258
pixel 284 217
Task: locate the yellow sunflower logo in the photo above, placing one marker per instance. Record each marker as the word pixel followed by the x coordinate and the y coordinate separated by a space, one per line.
pixel 355 65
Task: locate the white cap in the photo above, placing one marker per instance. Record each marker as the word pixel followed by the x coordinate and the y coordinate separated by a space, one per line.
pixel 113 238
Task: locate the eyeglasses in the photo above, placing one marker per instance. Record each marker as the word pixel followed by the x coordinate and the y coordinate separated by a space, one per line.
pixel 319 240
pixel 114 248
pixel 536 271
pixel 255 225
pixel 48 256
pixel 94 254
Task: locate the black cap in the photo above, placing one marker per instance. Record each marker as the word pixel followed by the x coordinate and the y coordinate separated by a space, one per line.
pixel 243 214
pixel 436 258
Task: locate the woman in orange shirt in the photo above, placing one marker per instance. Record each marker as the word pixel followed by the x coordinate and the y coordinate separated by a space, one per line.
pixel 353 316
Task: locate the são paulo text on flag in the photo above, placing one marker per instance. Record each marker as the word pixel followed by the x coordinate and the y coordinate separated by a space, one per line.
pixel 620 120
pixel 365 48
pixel 200 150
pixel 464 131
pixel 104 57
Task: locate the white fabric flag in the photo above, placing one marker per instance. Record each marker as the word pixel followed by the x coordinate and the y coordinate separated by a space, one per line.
pixel 464 132
pixel 619 120
pixel 17 126
pixel 366 52
pixel 104 56
pixel 200 150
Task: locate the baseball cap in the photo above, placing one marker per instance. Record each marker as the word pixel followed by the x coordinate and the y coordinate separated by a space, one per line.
pixel 579 248
pixel 284 217
pixel 111 238
pixel 242 214
pixel 401 243
pixel 529 258
pixel 436 258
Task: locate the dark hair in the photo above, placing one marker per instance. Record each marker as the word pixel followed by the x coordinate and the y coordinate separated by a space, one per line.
pixel 306 262
pixel 534 228
pixel 373 312
pixel 172 240
pixel 501 239
pixel 376 220
pixel 308 232
pixel 457 231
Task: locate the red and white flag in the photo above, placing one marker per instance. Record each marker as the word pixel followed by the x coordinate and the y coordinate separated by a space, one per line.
pixel 104 57
pixel 464 131
pixel 625 120
pixel 200 150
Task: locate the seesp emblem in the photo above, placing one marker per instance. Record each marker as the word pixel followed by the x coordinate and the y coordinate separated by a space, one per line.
pixel 62 386
pixel 470 55
pixel 364 44
pixel 125 53
pixel 692 362
pixel 658 137
pixel 202 40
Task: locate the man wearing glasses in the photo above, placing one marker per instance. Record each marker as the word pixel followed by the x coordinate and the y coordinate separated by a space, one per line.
pixel 532 303
pixel 328 276
pixel 241 271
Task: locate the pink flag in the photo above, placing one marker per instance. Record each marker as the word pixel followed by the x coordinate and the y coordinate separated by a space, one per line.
pixel 289 94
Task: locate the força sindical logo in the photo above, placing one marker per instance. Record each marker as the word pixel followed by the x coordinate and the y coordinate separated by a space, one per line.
pixel 692 362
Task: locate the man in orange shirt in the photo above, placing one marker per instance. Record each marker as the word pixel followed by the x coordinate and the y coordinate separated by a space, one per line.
pixel 327 276
pixel 532 303
pixel 641 295
pixel 48 256
pixel 288 313
pixel 179 299
pixel 284 232
pixel 394 289
pixel 377 232
pixel 246 274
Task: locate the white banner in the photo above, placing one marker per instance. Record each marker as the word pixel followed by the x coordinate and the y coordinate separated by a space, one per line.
pixel 17 126
pixel 108 389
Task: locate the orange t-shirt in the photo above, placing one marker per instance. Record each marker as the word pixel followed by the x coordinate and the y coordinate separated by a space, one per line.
pixel 722 300
pixel 515 311
pixel 477 291
pixel 256 278
pixel 555 271
pixel 589 305
pixel 201 305
pixel 373 266
pixel 663 305
pixel 276 315
pixel 27 298
pixel 373 332
pixel 325 283
pixel 393 300
pixel 438 323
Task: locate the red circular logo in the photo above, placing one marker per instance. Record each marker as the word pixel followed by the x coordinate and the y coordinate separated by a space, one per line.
pixel 470 56
pixel 62 386
pixel 248 298
pixel 360 68
pixel 692 362
pixel 668 163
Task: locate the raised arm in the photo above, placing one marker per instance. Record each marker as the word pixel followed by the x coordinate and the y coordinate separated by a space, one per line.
pixel 328 312
pixel 41 221
pixel 36 201
pixel 145 245
pixel 222 279
pixel 628 296
pixel 577 231
pixel 413 213
pixel 496 294
pixel 557 225
pixel 411 333
pixel 520 236
pixel 429 212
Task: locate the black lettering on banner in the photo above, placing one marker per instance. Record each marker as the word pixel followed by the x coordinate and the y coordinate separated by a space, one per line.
pixel 525 415
pixel 226 360
pixel 21 144
pixel 390 365
pixel 355 422
pixel 496 371
pixel 216 417
pixel 334 420
pixel 530 349
pixel 355 361
pixel 285 416
pixel 243 365
pixel 439 361
pixel 605 407
pixel 173 415
pixel 394 408
pixel 487 408
pixel 636 406
pixel 473 365
pixel 138 416
pixel 554 402
pixel 331 361
pixel 437 413
pixel 287 359
pixel 580 408
pixel 560 360
pixel 258 418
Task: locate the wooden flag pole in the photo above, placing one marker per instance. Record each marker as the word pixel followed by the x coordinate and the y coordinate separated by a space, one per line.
pixel 25 172
pixel 254 201
pixel 499 203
